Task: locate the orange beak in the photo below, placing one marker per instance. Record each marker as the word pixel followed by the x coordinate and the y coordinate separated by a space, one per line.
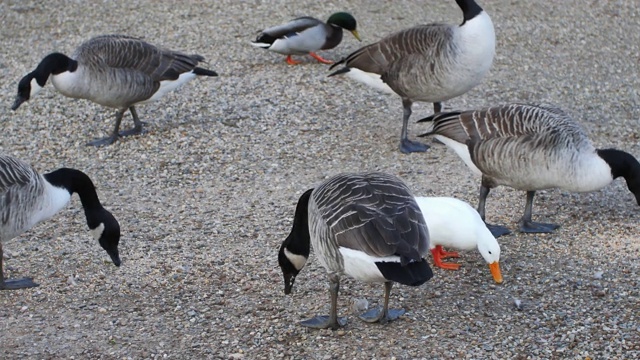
pixel 495 271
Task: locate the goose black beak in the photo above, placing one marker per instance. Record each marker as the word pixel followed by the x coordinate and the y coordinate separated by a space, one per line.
pixel 289 279
pixel 16 104
pixel 115 257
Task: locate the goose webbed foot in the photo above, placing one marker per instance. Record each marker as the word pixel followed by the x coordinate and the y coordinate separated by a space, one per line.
pixel 498 230
pixel 104 141
pixel 133 131
pixel 324 322
pixel 378 315
pixel 535 227
pixel 407 146
pixel 15 284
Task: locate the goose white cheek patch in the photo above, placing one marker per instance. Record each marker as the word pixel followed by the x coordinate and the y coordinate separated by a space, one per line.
pixel 297 260
pixel 97 232
pixel 35 87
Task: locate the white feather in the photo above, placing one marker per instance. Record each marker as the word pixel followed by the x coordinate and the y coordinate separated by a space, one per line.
pixel 52 201
pixel 361 266
pixel 298 261
pixel 453 223
pixel 97 232
pixel 462 150
pixel 168 86
pixel 370 79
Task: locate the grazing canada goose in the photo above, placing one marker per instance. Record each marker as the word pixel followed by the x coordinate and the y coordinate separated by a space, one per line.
pixel 115 71
pixel 367 226
pixel 305 35
pixel 26 198
pixel 531 147
pixel 431 63
pixel 455 224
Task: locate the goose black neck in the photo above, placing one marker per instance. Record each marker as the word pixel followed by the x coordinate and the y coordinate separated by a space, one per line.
pixel 53 64
pixel 299 240
pixel 625 165
pixel 75 181
pixel 470 9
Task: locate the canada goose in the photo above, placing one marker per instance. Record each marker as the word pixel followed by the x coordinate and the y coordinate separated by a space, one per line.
pixel 531 147
pixel 431 63
pixel 26 198
pixel 455 224
pixel 367 226
pixel 304 35
pixel 115 71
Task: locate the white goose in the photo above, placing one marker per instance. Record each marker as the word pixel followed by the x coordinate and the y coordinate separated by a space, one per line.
pixel 366 226
pixel 27 198
pixel 115 71
pixel 455 224
pixel 431 63
pixel 531 147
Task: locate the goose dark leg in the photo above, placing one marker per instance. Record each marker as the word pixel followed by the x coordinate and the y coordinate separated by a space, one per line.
pixel 496 230
pixel 528 226
pixel 385 314
pixel 114 135
pixel 14 284
pixel 332 321
pixel 437 107
pixel 137 124
pixel 406 145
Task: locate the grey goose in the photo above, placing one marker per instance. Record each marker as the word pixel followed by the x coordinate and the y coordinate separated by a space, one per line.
pixel 367 226
pixel 27 198
pixel 531 147
pixel 116 71
pixel 305 35
pixel 430 63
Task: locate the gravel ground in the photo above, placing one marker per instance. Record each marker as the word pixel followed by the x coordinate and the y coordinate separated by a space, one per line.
pixel 206 196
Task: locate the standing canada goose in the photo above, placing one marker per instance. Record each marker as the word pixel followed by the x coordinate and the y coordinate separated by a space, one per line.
pixel 115 71
pixel 26 198
pixel 455 224
pixel 305 35
pixel 531 147
pixel 431 63
pixel 367 226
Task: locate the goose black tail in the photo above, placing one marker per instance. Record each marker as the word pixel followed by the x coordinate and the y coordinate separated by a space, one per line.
pixel 415 273
pixel 204 72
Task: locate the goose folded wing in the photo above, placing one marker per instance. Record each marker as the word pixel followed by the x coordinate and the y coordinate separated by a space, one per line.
pixel 382 232
pixel 14 172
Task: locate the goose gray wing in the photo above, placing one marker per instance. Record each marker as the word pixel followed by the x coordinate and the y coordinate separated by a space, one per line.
pixel 414 54
pixel 374 213
pixel 14 172
pixel 124 52
pixel 289 29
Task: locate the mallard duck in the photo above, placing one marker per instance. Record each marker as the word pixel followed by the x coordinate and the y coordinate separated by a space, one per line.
pixel 115 71
pixel 366 226
pixel 455 224
pixel 431 63
pixel 305 35
pixel 530 148
pixel 27 198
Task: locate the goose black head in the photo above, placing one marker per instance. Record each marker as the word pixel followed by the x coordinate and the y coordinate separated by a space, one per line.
pixel 295 249
pixel 625 165
pixel 107 231
pixel 34 81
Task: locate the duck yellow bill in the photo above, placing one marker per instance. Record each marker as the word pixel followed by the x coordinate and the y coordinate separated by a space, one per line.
pixel 356 35
pixel 495 271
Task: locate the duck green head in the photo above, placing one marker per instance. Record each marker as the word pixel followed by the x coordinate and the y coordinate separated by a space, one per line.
pixel 345 21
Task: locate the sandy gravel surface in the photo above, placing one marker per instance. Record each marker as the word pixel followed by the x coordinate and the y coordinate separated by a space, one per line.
pixel 206 196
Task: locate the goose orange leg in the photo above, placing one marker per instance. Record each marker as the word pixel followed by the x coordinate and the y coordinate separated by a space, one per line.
pixel 437 253
pixel 320 58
